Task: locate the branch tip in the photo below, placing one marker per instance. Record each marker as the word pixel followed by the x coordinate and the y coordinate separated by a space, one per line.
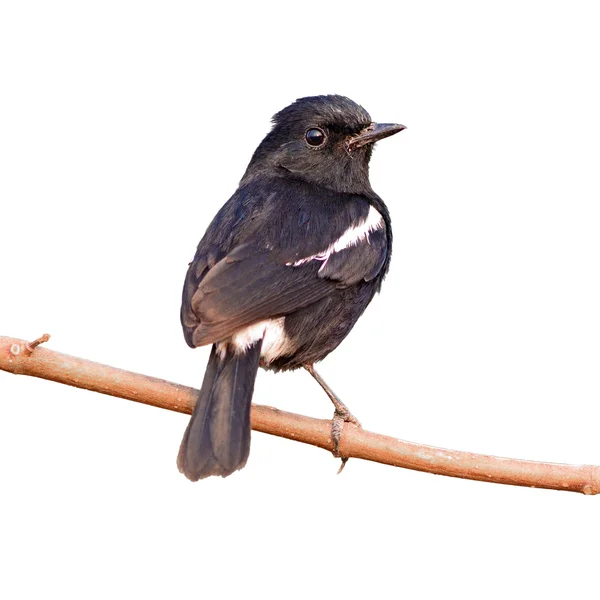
pixel 31 346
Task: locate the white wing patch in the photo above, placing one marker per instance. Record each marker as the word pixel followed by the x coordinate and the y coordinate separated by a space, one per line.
pixel 351 237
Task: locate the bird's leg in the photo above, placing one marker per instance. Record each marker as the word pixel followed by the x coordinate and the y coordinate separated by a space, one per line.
pixel 340 416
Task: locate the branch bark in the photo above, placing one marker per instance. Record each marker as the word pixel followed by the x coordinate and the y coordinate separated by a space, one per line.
pixel 24 358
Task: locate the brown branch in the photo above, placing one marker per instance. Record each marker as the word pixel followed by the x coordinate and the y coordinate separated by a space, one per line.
pixel 20 357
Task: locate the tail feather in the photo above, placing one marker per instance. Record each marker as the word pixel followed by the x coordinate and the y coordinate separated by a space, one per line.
pixel 217 439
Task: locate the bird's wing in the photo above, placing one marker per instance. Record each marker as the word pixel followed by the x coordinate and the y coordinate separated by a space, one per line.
pixel 361 261
pixel 249 285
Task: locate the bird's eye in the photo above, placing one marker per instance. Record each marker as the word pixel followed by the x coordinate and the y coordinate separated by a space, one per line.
pixel 315 137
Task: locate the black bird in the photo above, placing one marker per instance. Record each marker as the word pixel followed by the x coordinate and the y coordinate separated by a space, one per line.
pixel 284 270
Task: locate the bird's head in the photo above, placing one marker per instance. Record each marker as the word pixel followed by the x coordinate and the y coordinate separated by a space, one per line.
pixel 325 140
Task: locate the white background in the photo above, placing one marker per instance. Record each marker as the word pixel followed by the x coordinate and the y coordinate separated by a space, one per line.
pixel 124 126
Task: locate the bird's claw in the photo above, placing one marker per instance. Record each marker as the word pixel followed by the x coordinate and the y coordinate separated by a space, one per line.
pixel 341 416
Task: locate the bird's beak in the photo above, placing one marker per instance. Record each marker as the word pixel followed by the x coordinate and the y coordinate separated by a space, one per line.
pixel 373 133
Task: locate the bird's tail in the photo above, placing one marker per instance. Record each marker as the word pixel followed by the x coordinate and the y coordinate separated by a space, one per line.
pixel 217 439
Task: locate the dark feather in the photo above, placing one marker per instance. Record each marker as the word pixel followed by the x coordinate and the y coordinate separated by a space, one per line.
pixel 244 292
pixel 217 439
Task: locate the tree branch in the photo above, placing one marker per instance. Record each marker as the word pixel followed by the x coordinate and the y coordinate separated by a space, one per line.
pixel 24 358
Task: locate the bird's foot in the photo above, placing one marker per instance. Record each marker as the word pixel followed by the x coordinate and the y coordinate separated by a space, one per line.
pixel 340 416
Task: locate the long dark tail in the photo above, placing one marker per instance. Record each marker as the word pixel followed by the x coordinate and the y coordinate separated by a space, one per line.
pixel 217 439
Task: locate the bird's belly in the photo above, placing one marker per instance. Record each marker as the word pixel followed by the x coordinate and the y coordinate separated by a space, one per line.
pixel 307 335
pixel 316 330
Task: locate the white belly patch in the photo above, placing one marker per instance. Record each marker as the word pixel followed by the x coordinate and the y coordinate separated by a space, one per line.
pixel 275 342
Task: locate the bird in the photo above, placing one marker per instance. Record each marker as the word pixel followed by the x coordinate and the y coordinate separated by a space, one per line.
pixel 284 271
